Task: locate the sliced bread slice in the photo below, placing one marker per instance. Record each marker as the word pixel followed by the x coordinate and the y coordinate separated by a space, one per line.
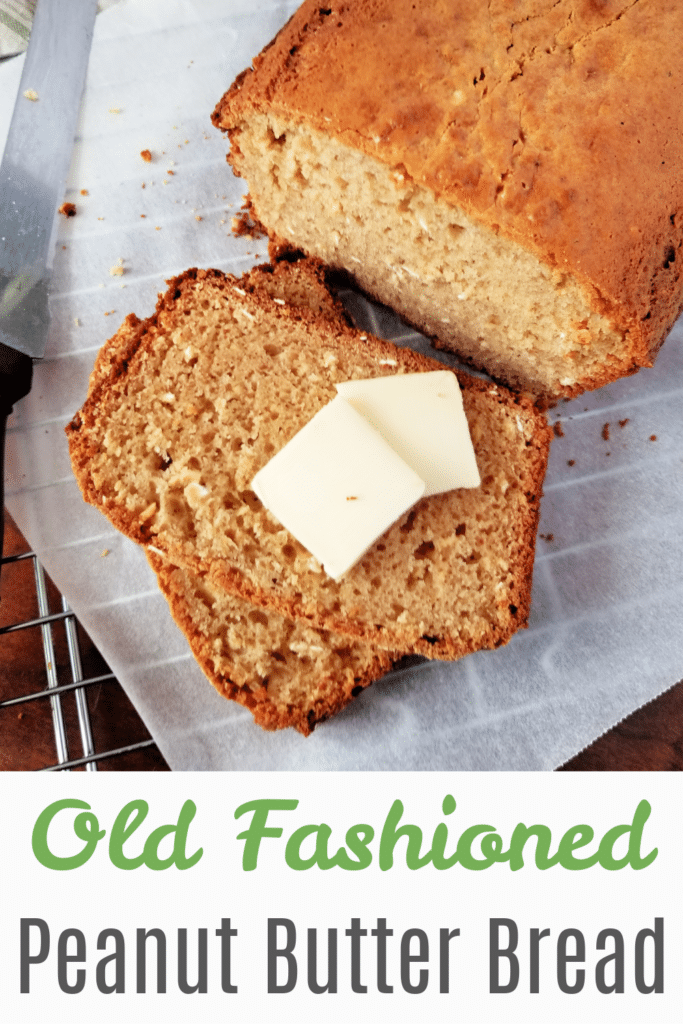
pixel 189 404
pixel 284 671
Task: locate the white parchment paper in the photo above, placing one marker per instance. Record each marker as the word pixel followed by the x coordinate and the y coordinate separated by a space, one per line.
pixel 605 632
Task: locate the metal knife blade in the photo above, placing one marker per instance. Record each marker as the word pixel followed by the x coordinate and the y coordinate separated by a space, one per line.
pixel 33 174
pixel 35 164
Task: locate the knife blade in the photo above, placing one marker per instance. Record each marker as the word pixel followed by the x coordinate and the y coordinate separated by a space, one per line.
pixel 33 175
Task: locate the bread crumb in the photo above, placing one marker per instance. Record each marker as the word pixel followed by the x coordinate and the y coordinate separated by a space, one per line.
pixel 170 172
pixel 110 312
pixel 20 715
pixel 197 217
pixel 100 218
pixel 352 497
pixel 143 185
pixel 84 192
pixel 77 322
pixel 549 537
pixel 622 423
pixel 68 209
pixel 31 94
pixel 115 110
pixel 247 223
pixel 571 462
pixel 157 228
pixel 605 432
pixel 653 437
pixel 557 429
pixel 146 156
pixel 117 270
pixel 104 553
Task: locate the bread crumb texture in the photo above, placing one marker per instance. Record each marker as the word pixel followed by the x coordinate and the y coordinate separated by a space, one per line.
pixel 473 167
pixel 187 406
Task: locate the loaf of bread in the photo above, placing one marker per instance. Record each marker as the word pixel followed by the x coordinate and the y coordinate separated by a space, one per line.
pixel 506 175
pixel 187 406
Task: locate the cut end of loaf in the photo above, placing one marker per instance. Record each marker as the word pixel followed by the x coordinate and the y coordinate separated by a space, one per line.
pixel 478 294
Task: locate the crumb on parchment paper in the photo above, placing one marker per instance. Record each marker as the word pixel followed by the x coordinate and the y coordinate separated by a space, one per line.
pixel 146 156
pixel 68 209
pixel 31 94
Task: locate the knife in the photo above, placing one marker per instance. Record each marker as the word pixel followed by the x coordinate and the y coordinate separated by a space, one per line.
pixel 33 174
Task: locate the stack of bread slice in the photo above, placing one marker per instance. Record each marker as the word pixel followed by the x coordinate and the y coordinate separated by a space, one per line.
pixel 185 407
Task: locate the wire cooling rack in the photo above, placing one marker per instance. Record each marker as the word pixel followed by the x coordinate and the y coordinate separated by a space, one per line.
pixel 68 694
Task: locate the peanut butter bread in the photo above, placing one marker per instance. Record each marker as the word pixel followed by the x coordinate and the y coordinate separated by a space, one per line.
pixel 506 175
pixel 202 394
pixel 286 672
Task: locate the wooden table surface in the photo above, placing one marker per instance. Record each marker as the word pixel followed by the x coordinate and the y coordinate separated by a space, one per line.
pixel 651 739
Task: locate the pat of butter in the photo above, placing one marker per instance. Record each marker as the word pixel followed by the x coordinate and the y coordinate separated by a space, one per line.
pixel 337 486
pixel 421 416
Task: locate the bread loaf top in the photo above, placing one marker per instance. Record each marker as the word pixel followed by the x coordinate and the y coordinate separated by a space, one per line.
pixel 558 125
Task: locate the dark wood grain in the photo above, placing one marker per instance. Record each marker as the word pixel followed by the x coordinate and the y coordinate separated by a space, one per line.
pixel 26 731
pixel 651 739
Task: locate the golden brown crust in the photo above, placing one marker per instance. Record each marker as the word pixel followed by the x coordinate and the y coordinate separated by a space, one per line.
pixel 121 371
pixel 538 120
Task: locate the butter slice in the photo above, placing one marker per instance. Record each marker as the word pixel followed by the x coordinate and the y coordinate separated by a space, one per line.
pixel 421 416
pixel 337 486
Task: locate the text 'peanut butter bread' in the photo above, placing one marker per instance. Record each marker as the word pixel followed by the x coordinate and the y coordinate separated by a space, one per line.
pixel 205 392
pixel 506 175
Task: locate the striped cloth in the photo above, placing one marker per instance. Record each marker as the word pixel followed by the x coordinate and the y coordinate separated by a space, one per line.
pixel 16 18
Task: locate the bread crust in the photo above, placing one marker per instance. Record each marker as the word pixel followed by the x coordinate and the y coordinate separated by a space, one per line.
pixel 538 125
